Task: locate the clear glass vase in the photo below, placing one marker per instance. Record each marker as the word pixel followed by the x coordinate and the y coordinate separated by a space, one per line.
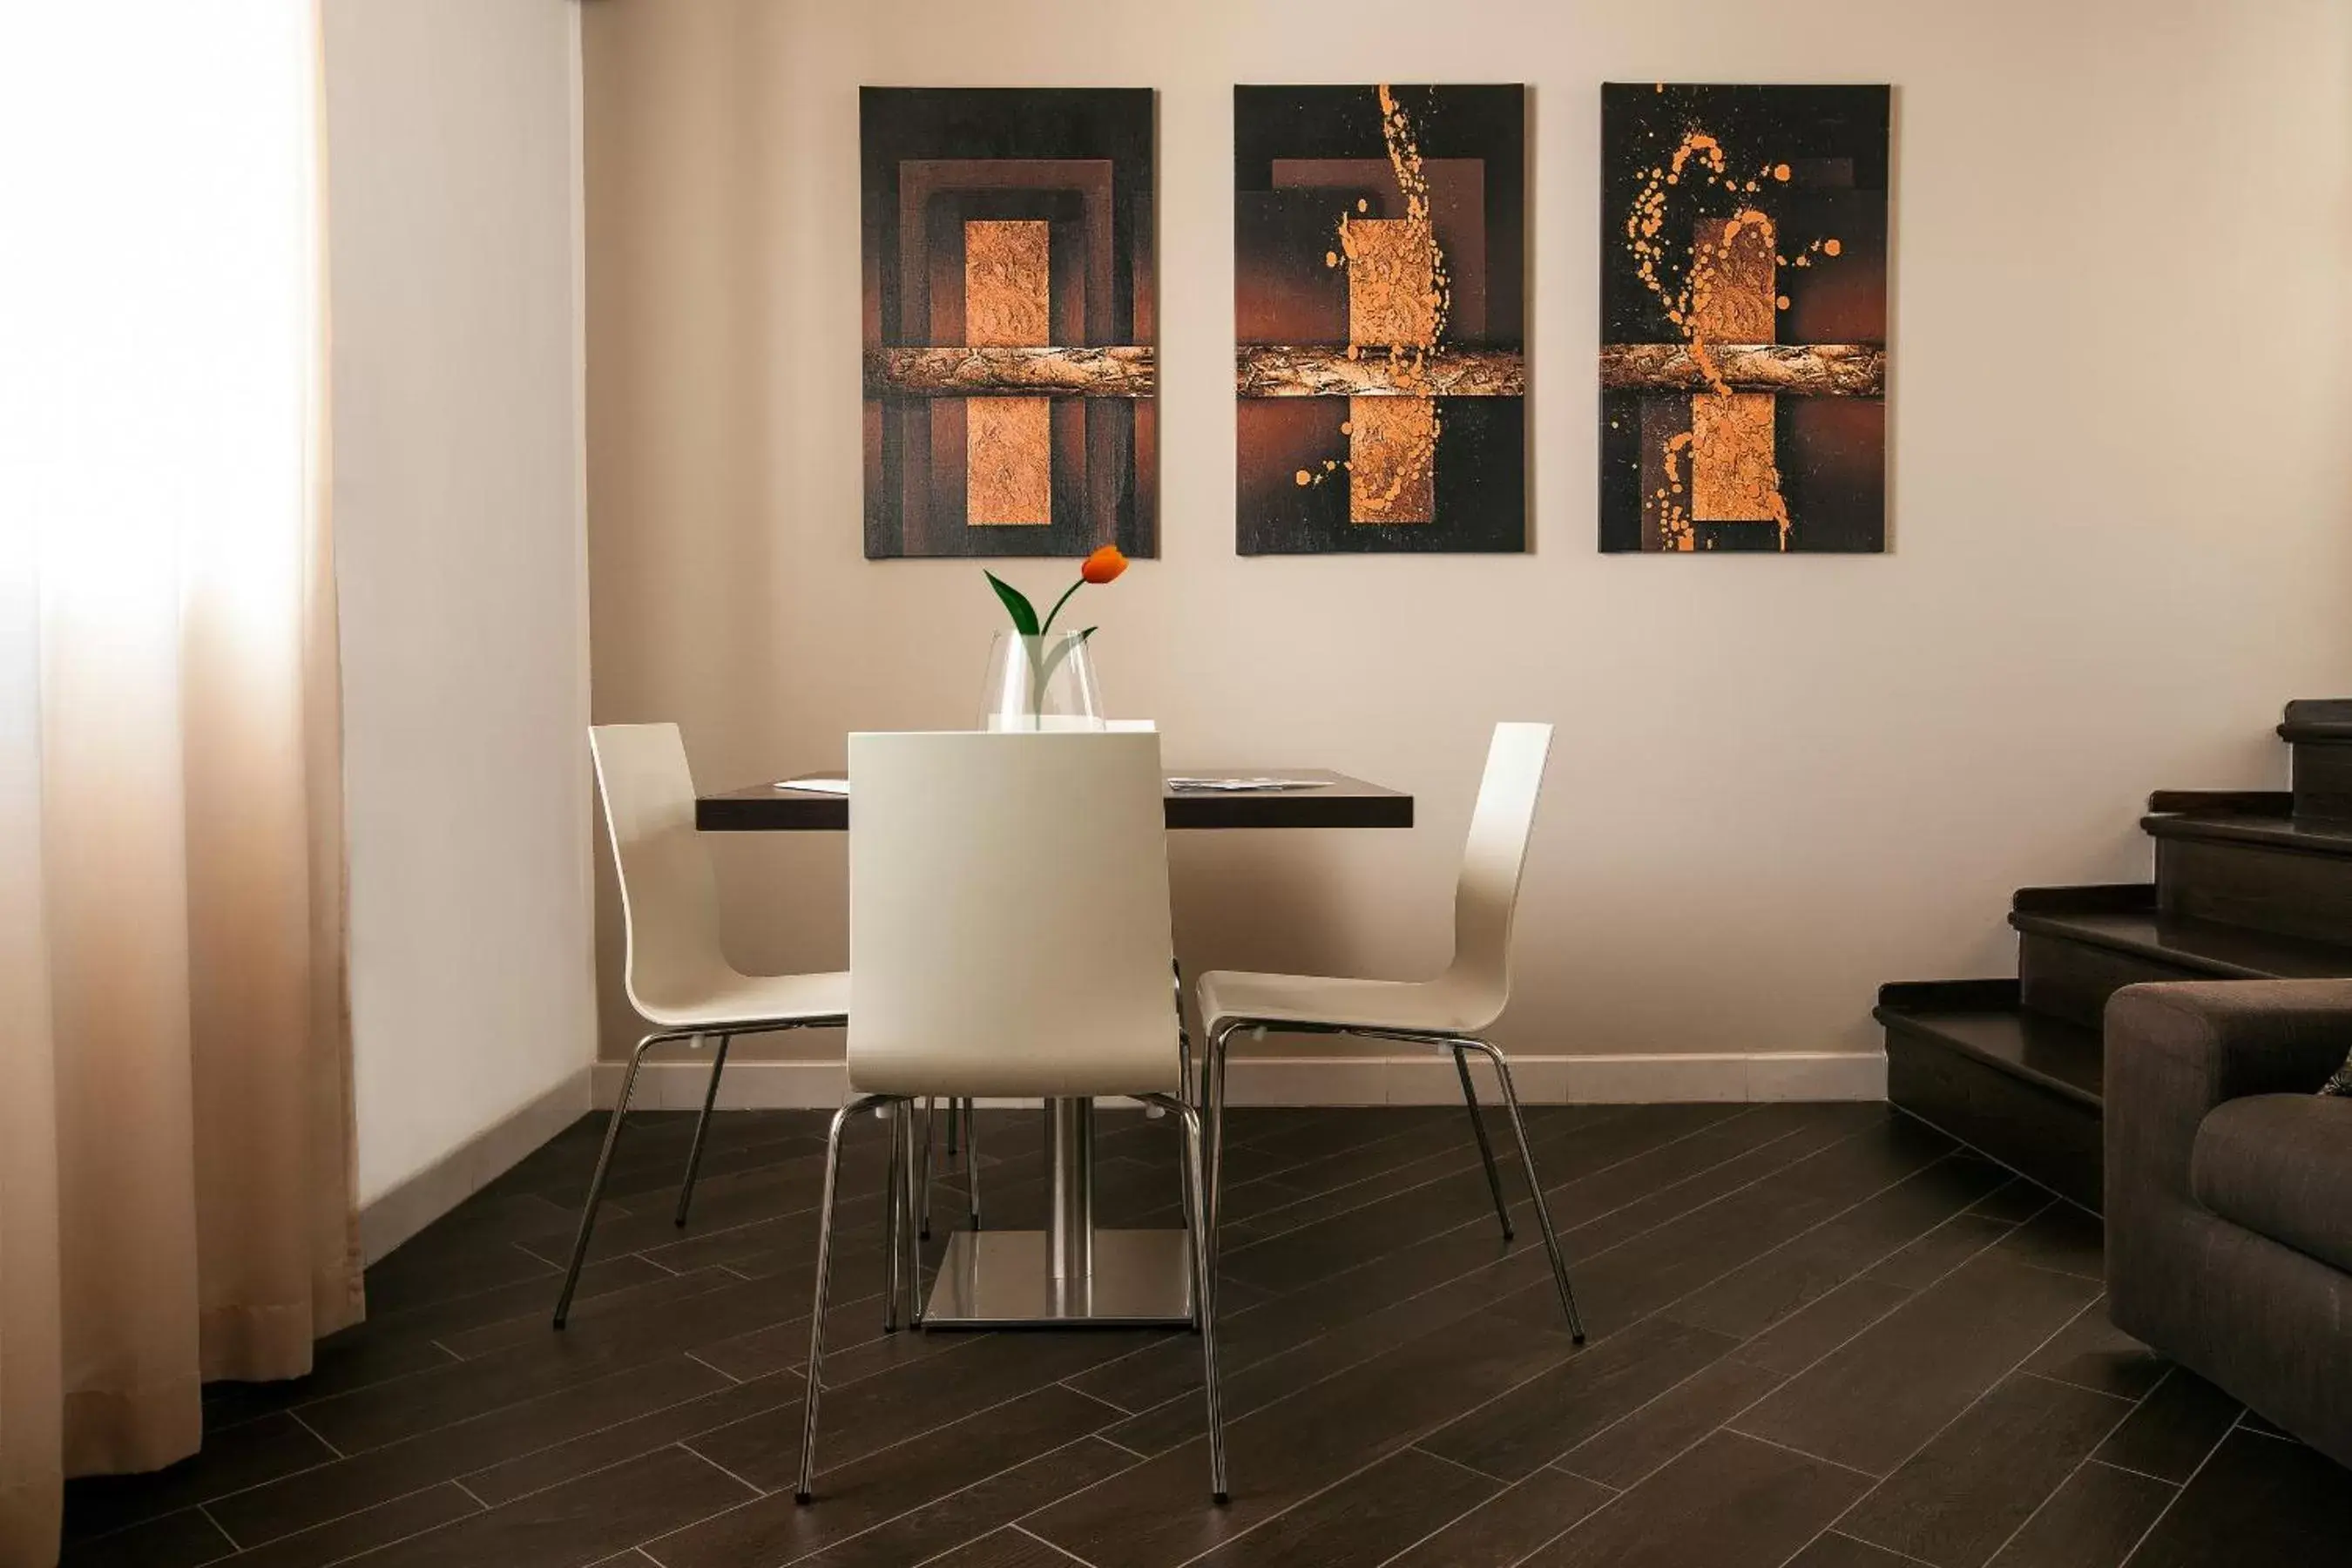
pixel 1040 683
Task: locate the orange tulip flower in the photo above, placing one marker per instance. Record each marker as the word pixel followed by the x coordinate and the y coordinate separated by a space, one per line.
pixel 1102 566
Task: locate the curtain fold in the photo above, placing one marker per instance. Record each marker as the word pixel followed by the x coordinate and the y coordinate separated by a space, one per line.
pixel 176 1172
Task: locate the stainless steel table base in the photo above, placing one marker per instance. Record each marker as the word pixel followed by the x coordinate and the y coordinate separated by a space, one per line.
pixel 1005 1280
pixel 1070 1275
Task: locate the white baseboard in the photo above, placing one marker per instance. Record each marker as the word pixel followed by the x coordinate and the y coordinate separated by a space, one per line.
pixel 395 1216
pixel 1419 1079
pixel 679 1084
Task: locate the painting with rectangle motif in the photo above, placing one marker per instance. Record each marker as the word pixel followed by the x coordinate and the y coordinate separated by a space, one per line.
pixel 1379 279
pixel 1008 321
pixel 1743 318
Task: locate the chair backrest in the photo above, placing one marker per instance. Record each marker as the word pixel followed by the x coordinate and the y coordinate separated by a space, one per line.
pixel 669 899
pixel 1008 915
pixel 1488 892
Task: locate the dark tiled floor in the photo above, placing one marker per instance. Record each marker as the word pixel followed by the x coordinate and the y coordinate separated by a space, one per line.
pixel 1822 1337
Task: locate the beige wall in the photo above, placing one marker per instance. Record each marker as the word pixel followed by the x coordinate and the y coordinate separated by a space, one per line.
pixel 2119 532
pixel 453 224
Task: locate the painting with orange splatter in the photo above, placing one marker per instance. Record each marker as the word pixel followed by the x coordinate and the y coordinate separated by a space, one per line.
pixel 1379 272
pixel 1008 321
pixel 1743 318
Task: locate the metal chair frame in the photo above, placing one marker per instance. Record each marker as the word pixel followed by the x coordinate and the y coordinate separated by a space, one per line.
pixel 1213 1100
pixel 701 1129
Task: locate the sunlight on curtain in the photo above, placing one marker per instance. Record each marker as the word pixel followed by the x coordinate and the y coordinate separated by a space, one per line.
pixel 174 1144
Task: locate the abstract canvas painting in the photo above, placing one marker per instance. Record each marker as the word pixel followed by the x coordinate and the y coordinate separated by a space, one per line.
pixel 1743 318
pixel 1379 275
pixel 1008 321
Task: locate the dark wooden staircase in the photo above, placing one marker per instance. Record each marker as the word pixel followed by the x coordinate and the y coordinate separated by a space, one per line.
pixel 2250 885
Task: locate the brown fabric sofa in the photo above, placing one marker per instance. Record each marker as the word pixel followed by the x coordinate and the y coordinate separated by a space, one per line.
pixel 2228 1191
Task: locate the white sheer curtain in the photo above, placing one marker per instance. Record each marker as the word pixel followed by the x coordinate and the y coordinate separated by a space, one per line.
pixel 175 1194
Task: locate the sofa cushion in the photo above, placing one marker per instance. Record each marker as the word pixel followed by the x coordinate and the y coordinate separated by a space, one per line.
pixel 2281 1165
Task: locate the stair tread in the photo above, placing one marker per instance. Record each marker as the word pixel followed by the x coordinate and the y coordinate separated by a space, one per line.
pixel 2306 836
pixel 2064 1057
pixel 2221 802
pixel 2225 952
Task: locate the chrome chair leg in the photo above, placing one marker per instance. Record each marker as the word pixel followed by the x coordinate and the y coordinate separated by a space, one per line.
pixel 603 1169
pixel 1184 1036
pixel 815 1379
pixel 1196 1213
pixel 954 1107
pixel 1184 1092
pixel 893 1218
pixel 1534 1183
pixel 1195 1220
pixel 971 1158
pixel 1213 1109
pixel 1486 1148
pixel 702 1130
pixel 910 1260
pixel 1204 1300
pixel 931 1118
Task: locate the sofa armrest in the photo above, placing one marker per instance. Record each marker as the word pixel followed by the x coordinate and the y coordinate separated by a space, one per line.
pixel 2176 1051
pixel 2261 1319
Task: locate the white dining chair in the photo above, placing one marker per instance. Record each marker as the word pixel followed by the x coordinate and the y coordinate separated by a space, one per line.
pixel 1008 936
pixel 961 1119
pixel 679 980
pixel 1451 1012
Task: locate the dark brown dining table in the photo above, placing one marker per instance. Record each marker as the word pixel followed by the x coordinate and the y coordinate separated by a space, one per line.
pixel 1335 801
pixel 1124 1279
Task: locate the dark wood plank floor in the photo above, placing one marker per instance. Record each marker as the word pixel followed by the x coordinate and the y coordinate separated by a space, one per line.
pixel 1822 1336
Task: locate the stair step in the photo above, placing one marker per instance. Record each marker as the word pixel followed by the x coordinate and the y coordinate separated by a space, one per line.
pixel 2295 835
pixel 2247 802
pixel 2022 1087
pixel 2288 874
pixel 2070 961
pixel 2072 980
pixel 2061 1058
pixel 2211 951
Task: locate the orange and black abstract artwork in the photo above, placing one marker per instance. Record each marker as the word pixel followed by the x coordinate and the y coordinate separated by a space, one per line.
pixel 1008 321
pixel 1743 318
pixel 1380 258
